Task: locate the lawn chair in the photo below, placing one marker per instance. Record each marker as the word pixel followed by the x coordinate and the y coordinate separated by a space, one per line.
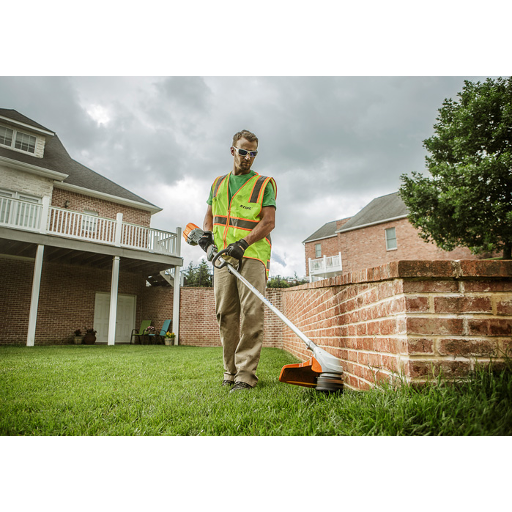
pixel 159 338
pixel 143 326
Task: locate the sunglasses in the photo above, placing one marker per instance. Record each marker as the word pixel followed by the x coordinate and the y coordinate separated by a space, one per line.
pixel 243 152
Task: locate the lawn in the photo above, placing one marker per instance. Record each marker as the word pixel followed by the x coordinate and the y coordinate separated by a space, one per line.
pixel 158 390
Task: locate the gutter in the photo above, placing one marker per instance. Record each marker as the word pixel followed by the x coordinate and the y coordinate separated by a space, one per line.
pixel 34 169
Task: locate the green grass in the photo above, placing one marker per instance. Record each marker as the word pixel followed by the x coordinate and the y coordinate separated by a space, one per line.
pixel 158 390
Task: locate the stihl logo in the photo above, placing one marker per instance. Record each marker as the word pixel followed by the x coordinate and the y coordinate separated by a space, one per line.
pixel 245 207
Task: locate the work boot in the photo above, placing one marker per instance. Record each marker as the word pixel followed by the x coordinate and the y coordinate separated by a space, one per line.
pixel 227 382
pixel 240 386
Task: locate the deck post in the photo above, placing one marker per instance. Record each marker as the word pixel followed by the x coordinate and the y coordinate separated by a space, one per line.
pixel 113 301
pixel 34 301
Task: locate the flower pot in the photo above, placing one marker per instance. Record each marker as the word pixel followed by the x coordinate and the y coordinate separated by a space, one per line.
pixel 89 339
pixel 78 340
pixel 169 341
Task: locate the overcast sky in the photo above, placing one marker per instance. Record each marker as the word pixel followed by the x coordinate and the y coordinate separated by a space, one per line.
pixel 332 143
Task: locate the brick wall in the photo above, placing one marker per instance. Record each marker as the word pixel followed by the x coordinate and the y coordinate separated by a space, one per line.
pixel 106 209
pixel 198 322
pixel 366 247
pixel 406 317
pixel 66 299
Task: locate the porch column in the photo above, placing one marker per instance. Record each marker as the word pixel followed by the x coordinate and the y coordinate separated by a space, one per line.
pixel 177 287
pixel 34 301
pixel 176 304
pixel 113 301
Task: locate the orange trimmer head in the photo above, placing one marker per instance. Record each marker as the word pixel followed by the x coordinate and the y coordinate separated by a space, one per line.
pixel 310 375
pixel 301 374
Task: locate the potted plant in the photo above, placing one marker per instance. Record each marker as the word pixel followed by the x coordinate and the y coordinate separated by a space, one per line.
pixel 90 336
pixel 169 338
pixel 78 337
pixel 148 332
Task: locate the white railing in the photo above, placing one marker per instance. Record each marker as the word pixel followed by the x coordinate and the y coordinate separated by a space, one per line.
pixel 20 214
pixel 43 218
pixel 325 265
pixel 81 226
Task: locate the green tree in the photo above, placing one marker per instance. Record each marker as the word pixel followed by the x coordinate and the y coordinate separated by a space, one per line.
pixel 198 276
pixel 277 282
pixel 467 201
pixel 190 275
pixel 203 275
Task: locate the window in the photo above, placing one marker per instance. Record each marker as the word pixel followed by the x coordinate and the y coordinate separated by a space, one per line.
pixel 318 250
pixel 22 141
pixel 25 142
pixel 391 239
pixel 5 136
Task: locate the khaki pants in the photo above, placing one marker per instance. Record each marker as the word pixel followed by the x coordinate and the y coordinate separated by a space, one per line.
pixel 240 316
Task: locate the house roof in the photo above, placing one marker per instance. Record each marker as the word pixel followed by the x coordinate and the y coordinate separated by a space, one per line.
pixel 56 158
pixel 14 115
pixel 326 231
pixel 381 209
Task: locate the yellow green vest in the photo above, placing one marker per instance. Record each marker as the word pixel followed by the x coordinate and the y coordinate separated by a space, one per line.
pixel 233 220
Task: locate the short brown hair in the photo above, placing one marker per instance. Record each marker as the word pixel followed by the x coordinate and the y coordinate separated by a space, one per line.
pixel 244 134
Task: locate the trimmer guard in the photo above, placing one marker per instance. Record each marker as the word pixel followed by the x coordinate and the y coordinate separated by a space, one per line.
pixel 301 374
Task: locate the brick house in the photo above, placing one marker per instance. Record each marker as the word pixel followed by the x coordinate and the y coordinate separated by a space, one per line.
pixel 378 234
pixel 76 249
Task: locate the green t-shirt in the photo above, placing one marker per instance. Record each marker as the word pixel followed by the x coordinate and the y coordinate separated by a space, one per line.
pixel 235 182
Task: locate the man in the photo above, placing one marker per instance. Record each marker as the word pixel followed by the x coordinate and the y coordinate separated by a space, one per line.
pixel 240 216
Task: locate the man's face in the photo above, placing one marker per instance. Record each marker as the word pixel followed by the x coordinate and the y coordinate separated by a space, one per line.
pixel 242 164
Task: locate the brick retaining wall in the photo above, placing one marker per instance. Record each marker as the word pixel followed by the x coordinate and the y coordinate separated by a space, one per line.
pixel 198 322
pixel 409 317
pixel 405 317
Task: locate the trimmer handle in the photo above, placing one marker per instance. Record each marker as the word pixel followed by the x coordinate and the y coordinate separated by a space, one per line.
pixel 223 262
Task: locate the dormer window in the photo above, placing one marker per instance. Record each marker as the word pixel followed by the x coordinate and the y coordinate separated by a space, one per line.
pixel 22 141
pixel 25 142
pixel 5 136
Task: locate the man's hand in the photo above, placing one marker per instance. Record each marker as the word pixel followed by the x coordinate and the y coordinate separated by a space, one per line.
pixel 237 249
pixel 211 252
pixel 206 243
pixel 206 240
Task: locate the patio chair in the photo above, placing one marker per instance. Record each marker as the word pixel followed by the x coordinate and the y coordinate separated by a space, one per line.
pixel 143 326
pixel 158 338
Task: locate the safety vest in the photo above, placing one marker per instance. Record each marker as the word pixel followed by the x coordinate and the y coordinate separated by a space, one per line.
pixel 232 220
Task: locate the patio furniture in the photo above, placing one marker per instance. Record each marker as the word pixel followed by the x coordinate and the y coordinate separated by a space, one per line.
pixel 158 338
pixel 143 326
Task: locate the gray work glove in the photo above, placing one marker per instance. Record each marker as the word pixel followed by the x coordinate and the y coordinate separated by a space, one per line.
pixel 206 243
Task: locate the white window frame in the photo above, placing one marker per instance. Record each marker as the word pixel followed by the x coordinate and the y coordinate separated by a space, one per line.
pixel 318 250
pixel 22 135
pixel 389 239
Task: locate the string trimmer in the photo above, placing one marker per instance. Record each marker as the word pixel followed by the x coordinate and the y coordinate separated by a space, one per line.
pixel 322 371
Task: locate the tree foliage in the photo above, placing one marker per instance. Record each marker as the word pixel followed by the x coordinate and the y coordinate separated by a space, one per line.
pixel 198 276
pixel 467 201
pixel 284 282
